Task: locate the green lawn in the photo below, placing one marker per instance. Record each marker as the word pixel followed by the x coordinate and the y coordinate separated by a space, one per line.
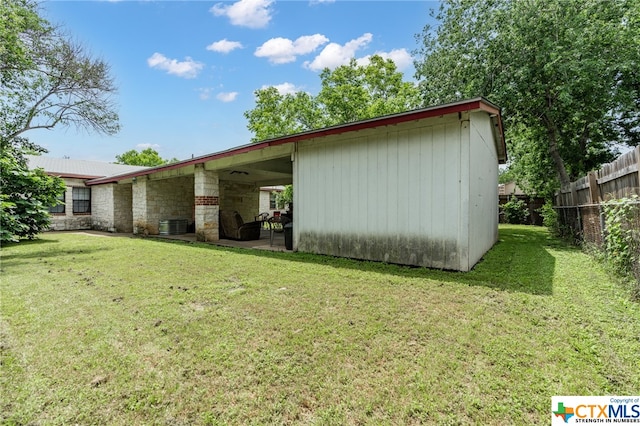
pixel 111 330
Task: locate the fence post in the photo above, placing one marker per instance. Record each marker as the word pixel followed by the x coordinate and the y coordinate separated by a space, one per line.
pixel 638 161
pixel 594 189
pixel 602 222
pixel 574 202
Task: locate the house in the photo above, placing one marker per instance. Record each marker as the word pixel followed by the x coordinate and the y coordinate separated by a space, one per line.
pixel 80 209
pixel 509 190
pixel 269 199
pixel 416 188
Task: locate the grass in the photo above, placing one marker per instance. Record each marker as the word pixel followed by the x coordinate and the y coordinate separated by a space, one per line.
pixel 108 330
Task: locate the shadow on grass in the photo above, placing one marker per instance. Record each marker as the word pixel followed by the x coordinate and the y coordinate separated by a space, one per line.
pixel 519 262
pixel 45 250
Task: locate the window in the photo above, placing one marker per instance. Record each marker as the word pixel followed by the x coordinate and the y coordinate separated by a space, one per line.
pixel 60 207
pixel 273 198
pixel 81 200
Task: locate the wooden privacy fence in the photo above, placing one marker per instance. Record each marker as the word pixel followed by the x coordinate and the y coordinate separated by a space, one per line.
pixel 579 205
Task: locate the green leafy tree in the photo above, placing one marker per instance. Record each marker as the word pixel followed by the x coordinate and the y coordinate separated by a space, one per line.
pixel 46 81
pixel 26 195
pixel 285 197
pixel 147 157
pixel 566 73
pixel 349 93
pixel 506 175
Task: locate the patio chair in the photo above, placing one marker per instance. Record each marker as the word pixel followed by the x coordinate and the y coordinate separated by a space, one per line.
pixel 261 217
pixel 276 224
pixel 232 227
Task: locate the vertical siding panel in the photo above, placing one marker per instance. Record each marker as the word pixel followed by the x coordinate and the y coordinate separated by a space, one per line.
pixel 392 193
pixel 403 217
pixel 363 183
pixel 404 213
pixel 373 196
pixel 344 229
pixel 426 191
pixel 464 201
pixel 414 196
pixel 382 180
pixel 438 227
pixel 483 184
pixel 327 161
pixel 452 193
pixel 358 193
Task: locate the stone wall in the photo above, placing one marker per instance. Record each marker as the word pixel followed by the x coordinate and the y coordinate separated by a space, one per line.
pixel 102 207
pixel 207 204
pixel 122 212
pixel 243 197
pixel 157 200
pixel 111 207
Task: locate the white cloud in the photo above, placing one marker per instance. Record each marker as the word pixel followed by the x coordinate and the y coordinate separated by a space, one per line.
pixel 246 13
pixel 400 57
pixel 187 68
pixel 284 88
pixel 314 2
pixel 333 55
pixel 281 50
pixel 224 46
pixel 227 96
pixel 143 146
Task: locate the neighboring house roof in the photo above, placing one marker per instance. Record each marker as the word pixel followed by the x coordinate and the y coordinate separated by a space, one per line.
pixel 476 104
pixel 510 188
pixel 81 169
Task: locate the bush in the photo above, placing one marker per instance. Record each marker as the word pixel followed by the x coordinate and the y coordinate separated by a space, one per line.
pixel 622 237
pixel 26 196
pixel 550 217
pixel 515 211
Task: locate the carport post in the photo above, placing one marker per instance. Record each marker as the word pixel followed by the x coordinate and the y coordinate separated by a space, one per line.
pixel 207 203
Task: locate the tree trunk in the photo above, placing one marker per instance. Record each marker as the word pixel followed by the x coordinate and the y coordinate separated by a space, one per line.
pixel 561 170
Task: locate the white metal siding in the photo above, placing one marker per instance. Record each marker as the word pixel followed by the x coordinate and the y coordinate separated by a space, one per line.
pixel 483 232
pixel 391 194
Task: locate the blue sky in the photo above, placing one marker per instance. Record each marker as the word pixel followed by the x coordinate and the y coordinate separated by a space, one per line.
pixel 186 70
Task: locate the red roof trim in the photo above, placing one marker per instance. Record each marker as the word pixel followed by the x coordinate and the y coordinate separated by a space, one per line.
pixel 389 120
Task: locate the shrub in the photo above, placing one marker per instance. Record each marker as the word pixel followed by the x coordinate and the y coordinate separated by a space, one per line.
pixel 622 237
pixel 515 211
pixel 550 217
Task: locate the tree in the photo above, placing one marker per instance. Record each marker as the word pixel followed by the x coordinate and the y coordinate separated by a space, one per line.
pixel 45 81
pixel 147 157
pixel 565 73
pixel 26 196
pixel 349 93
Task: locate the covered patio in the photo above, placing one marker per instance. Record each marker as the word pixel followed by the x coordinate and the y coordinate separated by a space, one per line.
pixel 264 243
pixel 196 191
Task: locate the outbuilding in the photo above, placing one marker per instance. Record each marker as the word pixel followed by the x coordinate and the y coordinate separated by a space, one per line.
pixel 416 188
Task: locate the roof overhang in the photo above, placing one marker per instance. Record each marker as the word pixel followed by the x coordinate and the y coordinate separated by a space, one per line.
pixel 279 148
